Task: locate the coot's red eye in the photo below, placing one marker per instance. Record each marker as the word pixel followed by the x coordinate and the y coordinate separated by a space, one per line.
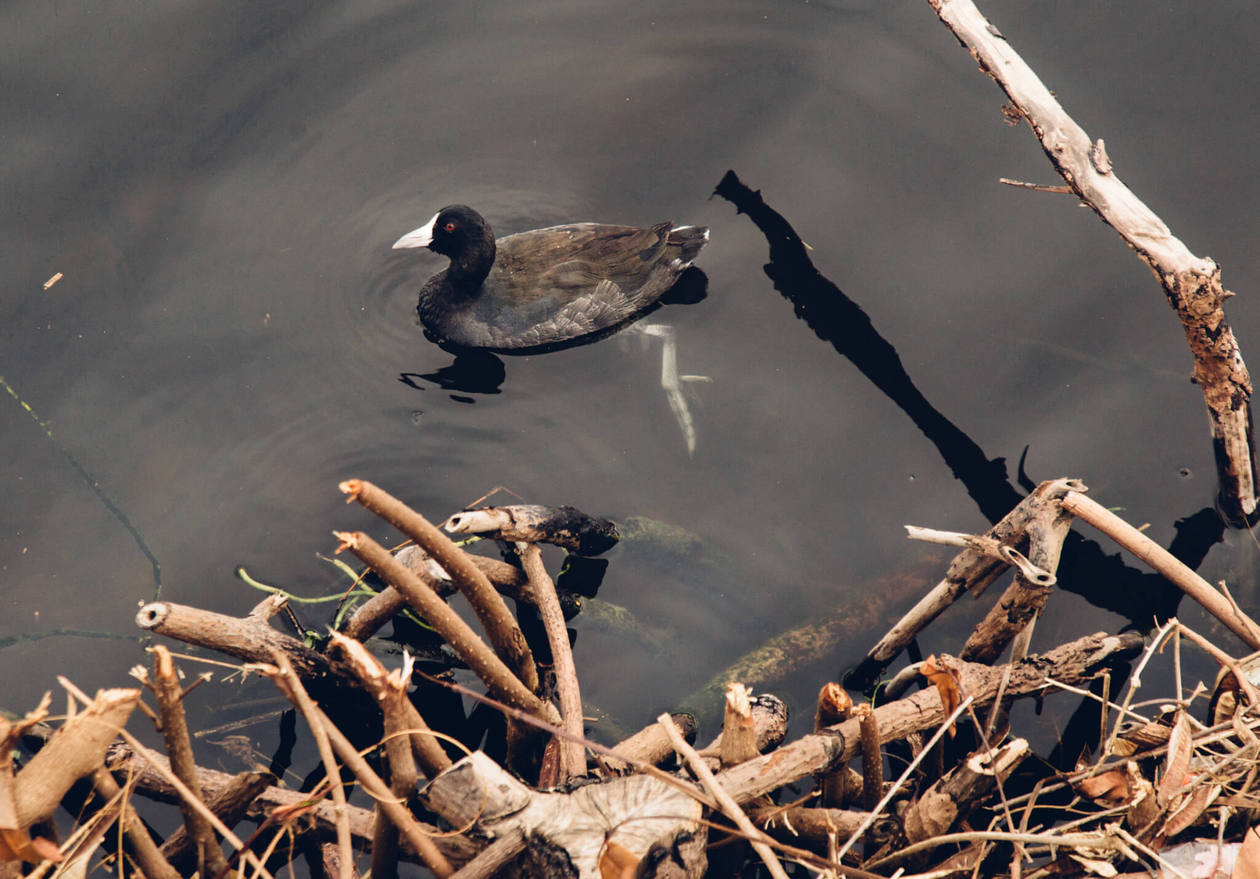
pixel 449 227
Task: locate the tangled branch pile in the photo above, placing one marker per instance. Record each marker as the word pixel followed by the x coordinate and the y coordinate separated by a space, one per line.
pixel 963 801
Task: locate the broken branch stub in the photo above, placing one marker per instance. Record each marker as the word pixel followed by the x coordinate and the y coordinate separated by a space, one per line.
pixel 563 526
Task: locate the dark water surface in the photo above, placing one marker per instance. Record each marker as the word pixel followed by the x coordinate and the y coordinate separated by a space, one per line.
pixel 220 184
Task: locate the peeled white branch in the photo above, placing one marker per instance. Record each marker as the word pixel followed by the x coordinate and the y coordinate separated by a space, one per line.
pixel 1191 283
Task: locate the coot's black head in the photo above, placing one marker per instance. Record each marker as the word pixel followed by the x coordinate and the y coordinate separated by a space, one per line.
pixel 454 231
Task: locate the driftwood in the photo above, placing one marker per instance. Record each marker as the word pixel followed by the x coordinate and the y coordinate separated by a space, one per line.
pixel 458 634
pixel 1017 609
pixel 272 800
pixel 649 745
pixel 1192 284
pixel 561 526
pixel 572 758
pixel 74 751
pixel 1075 662
pixel 952 798
pixel 389 691
pixel 639 812
pixel 1166 564
pixel 250 638
pixel 802 824
pixel 378 610
pixel 169 694
pixel 500 626
pixel 972 570
pixel 154 862
pixel 398 814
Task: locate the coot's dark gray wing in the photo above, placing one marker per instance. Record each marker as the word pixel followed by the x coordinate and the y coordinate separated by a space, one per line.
pixel 563 282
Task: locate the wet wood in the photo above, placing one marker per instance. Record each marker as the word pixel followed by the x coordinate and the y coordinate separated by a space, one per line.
pixel 74 751
pixel 952 798
pixel 504 685
pixel 169 695
pixel 637 812
pixel 499 624
pixel 1025 598
pixel 1191 284
pixel 250 638
pixel 152 860
pixel 972 570
pixel 563 526
pixel 739 735
pixel 1166 564
pixel 1075 662
pixel 649 745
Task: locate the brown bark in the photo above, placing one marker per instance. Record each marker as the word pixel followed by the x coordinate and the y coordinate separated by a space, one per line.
pixel 503 684
pixel 229 803
pixel 1166 564
pixel 500 626
pixel 319 815
pixel 169 694
pixel 249 638
pixel 1025 598
pixel 739 734
pixel 799 824
pixel 572 753
pixel 840 786
pixel 1075 662
pixel 390 692
pixel 560 526
pixel 971 570
pixel 146 852
pixel 951 799
pixel 75 750
pixel 289 683
pixel 650 744
pixel 1191 284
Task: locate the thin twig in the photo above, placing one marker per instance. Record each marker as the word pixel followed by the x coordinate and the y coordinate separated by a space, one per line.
pixel 299 697
pixel 758 840
pixel 572 754
pixel 927 747
pixel 284 677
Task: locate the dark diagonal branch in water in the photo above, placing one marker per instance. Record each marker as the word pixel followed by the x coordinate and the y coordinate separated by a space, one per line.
pixel 837 319
pixel 1084 568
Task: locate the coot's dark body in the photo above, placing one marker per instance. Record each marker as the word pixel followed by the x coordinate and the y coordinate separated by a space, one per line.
pixel 548 286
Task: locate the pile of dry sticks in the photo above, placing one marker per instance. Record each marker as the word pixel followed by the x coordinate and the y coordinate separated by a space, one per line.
pixel 652 805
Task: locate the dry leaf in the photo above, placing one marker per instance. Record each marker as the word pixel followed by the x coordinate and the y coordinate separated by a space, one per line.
pixel 1096 866
pixel 1111 788
pixel 1177 762
pixel 15 845
pixel 617 862
pixel 1190 812
pixel 946 682
pixel 1247 864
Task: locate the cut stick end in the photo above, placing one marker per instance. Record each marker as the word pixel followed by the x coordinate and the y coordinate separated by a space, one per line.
pixel 347 540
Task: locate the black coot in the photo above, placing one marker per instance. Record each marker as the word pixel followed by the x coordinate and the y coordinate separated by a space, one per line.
pixel 545 287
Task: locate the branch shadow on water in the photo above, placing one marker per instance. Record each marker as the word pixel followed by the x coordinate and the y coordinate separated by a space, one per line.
pixel 1144 599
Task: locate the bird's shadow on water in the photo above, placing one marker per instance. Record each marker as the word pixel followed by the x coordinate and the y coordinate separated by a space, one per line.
pixel 480 371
